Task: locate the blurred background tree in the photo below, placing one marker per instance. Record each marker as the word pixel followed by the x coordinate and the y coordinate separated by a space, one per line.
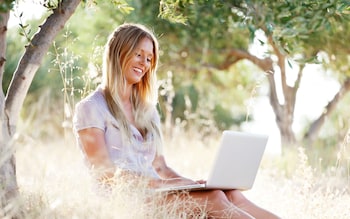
pixel 294 34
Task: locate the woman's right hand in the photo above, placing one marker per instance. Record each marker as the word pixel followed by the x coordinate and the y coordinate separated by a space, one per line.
pixel 180 181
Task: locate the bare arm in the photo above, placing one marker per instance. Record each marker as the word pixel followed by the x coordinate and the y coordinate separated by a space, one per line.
pixel 94 145
pixel 163 169
pixel 169 176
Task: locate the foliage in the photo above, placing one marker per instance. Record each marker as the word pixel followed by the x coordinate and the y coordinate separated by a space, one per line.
pixel 294 25
pixel 224 119
pixel 15 49
pixel 333 142
pixel 184 101
pixel 297 27
pixel 6 5
pixel 169 10
pixel 44 75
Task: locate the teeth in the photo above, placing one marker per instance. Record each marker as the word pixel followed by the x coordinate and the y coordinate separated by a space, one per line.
pixel 138 70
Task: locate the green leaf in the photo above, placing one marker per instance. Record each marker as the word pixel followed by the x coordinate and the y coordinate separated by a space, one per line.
pixel 261 42
pixel 289 64
pixel 169 10
pixel 269 28
pixel 123 6
pixel 6 5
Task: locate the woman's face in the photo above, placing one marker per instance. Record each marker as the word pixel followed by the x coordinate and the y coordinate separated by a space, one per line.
pixel 139 62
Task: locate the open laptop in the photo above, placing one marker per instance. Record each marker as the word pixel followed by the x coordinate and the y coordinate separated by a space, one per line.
pixel 236 163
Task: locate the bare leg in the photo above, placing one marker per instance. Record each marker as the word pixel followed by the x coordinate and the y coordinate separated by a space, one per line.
pixel 214 202
pixel 238 199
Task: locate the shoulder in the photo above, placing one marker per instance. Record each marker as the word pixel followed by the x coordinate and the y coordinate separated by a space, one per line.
pixel 92 111
pixel 95 96
pixel 94 100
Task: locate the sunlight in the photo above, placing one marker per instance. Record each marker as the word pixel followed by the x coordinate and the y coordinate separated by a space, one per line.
pixel 28 9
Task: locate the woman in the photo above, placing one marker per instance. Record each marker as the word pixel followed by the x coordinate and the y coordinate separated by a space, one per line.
pixel 118 127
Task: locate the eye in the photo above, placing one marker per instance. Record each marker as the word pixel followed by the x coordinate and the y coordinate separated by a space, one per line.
pixel 149 60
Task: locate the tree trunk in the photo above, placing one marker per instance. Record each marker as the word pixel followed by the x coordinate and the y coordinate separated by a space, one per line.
pixel 12 103
pixel 284 112
pixel 315 127
pixel 283 116
pixel 8 183
pixel 284 123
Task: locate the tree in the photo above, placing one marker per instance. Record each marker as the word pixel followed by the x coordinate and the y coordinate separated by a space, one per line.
pixel 10 105
pixel 292 31
pixel 296 31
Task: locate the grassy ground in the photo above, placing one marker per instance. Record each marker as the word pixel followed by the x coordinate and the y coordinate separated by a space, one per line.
pixel 55 184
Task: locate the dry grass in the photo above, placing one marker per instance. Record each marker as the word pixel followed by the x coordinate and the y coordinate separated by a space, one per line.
pixel 55 184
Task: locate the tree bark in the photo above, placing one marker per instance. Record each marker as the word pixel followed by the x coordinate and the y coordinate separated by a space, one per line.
pixel 315 127
pixel 284 112
pixel 12 103
pixel 8 181
pixel 265 64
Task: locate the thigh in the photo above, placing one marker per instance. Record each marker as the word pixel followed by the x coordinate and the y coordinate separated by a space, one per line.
pixel 236 197
pixel 184 204
pixel 199 204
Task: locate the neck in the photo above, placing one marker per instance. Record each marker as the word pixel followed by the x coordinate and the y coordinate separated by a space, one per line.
pixel 126 94
pixel 126 102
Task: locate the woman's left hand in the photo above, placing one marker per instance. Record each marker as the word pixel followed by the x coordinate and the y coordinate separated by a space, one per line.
pixel 201 181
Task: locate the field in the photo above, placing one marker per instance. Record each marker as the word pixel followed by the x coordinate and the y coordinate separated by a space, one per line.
pixel 54 183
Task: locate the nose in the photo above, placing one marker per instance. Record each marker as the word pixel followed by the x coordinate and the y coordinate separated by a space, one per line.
pixel 142 60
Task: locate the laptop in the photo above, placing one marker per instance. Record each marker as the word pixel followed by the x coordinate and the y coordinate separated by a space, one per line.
pixel 235 165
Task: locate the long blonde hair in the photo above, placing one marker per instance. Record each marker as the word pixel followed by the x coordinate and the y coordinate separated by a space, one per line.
pixel 118 50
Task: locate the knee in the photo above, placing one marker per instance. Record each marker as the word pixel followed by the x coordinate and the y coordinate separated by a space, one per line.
pixel 216 195
pixel 236 197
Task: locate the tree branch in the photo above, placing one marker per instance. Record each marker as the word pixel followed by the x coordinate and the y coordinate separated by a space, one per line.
pixel 281 64
pixel 296 86
pixel 31 60
pixel 238 54
pixel 317 124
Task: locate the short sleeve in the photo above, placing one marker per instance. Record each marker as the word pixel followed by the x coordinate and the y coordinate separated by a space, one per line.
pixel 88 115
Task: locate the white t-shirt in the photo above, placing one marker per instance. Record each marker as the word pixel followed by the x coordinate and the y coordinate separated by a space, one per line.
pixel 93 112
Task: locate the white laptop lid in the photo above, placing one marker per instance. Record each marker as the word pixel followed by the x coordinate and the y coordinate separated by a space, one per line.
pixel 235 165
pixel 237 160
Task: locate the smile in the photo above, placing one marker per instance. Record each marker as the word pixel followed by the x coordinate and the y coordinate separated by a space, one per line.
pixel 138 70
